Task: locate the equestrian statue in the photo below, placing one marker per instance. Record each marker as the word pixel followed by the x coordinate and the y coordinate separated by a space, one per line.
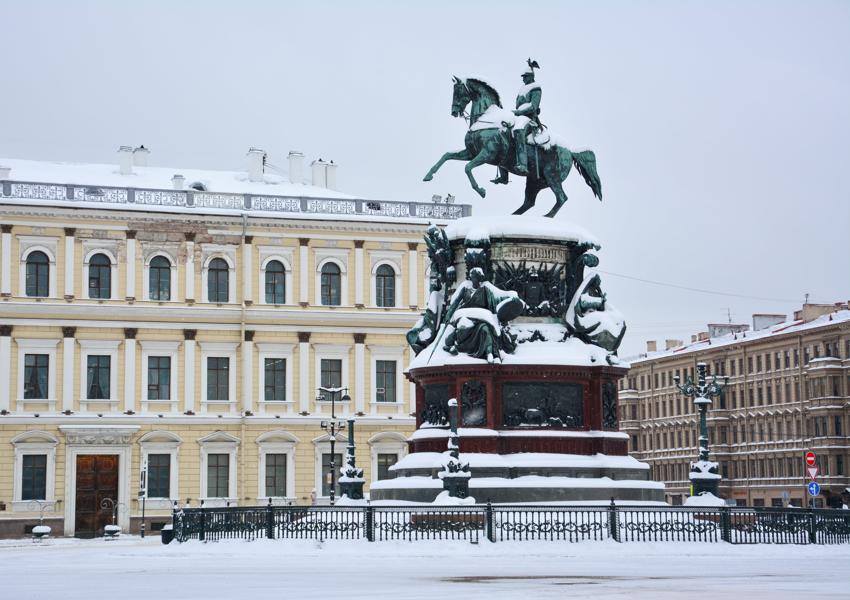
pixel 515 141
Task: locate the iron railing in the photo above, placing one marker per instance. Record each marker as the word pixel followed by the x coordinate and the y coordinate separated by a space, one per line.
pixel 517 522
pixel 191 200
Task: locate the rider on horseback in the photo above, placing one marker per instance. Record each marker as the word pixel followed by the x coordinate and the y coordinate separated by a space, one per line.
pixel 527 120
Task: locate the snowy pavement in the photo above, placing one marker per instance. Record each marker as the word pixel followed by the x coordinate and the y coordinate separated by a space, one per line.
pixel 132 568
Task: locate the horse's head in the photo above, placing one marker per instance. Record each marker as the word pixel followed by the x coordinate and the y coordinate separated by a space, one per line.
pixel 460 98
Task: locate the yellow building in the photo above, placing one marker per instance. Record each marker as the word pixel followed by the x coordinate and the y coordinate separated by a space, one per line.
pixel 185 320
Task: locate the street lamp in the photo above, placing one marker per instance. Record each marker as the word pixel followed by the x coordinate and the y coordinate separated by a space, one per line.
pixel 333 426
pixel 704 475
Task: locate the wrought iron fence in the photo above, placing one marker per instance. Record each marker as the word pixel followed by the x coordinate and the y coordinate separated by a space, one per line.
pixel 517 522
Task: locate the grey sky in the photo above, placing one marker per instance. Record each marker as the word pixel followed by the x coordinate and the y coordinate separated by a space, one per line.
pixel 721 129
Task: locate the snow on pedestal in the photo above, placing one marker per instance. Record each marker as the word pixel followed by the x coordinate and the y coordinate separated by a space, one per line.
pixel 705 499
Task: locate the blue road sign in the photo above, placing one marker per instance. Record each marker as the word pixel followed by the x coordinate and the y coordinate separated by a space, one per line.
pixel 814 488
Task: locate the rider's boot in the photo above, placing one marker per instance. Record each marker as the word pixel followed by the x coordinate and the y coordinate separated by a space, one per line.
pixel 501 177
pixel 521 166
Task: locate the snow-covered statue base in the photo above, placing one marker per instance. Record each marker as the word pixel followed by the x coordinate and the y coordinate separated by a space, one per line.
pixel 520 332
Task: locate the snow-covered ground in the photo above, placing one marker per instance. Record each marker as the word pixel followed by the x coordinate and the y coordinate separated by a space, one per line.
pixel 131 568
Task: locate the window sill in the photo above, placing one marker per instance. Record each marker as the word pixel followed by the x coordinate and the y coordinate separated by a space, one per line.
pixel 377 403
pixel 277 500
pixel 219 502
pixel 157 503
pixel 31 506
pixel 277 402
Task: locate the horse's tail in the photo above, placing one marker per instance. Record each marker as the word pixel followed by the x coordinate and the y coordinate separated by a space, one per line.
pixel 585 162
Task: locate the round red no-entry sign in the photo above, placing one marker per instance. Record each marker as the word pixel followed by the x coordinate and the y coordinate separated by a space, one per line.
pixel 811 459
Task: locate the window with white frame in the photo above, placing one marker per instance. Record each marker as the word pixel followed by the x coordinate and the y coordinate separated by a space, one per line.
pixel 218 281
pixel 386 449
pixel 159 371
pixel 219 273
pixel 276 475
pixel 218 372
pixel 387 378
pixel 331 365
pixel 34 470
pixel 331 276
pixel 218 468
pixel 100 270
pixel 160 452
pixel 276 275
pixel 160 280
pixel 99 377
pixel 36 370
pixel 37 269
pixel 275 373
pixel 386 278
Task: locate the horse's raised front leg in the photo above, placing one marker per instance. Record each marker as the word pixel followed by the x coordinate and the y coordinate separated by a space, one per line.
pixel 460 155
pixel 487 155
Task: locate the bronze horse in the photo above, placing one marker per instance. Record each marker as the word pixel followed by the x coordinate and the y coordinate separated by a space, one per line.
pixel 488 141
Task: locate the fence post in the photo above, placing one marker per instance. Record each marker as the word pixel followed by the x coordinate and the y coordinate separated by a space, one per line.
pixel 613 525
pixel 725 525
pixel 488 520
pixel 174 524
pixel 813 535
pixel 270 520
pixel 370 522
pixel 202 530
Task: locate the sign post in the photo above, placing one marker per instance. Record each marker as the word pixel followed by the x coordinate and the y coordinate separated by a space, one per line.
pixel 812 469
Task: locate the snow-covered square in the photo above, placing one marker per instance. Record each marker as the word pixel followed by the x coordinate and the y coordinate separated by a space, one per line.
pixel 133 568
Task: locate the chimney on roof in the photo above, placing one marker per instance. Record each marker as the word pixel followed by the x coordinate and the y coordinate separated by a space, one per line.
pixel 670 344
pixel 319 173
pixel 330 175
pixel 125 160
pixel 140 156
pixel 702 336
pixel 177 181
pixel 651 346
pixel 256 164
pixel 296 167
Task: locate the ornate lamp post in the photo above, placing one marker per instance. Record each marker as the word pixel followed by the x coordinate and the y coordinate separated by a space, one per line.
pixel 351 482
pixel 704 475
pixel 455 473
pixel 333 426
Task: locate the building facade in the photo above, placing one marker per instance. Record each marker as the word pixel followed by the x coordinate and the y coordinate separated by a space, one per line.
pixel 178 326
pixel 788 392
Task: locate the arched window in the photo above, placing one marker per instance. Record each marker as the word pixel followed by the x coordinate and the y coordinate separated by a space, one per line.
pixel 38 274
pixel 385 286
pixel 160 279
pixel 100 276
pixel 275 283
pixel 331 284
pixel 217 281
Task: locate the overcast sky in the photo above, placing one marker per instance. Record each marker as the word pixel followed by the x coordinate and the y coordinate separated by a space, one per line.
pixel 721 129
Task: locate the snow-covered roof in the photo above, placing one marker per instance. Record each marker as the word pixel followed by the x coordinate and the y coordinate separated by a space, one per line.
pixel 224 182
pixel 533 228
pixel 150 189
pixel 744 337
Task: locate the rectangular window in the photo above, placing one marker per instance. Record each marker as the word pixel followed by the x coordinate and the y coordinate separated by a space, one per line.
pixel 385 461
pixel 36 369
pixel 385 374
pixel 159 378
pixel 839 465
pixel 838 428
pixel 331 373
pixel 218 378
pixel 34 477
pixel 159 475
pixel 758 363
pixel 326 473
pixel 275 380
pixel 749 364
pixel 276 475
pixel 97 377
pixel 218 475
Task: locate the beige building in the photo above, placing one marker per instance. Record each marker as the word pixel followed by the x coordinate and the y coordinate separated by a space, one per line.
pixel 788 392
pixel 184 321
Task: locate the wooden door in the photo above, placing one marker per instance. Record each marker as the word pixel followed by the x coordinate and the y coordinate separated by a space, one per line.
pixel 97 479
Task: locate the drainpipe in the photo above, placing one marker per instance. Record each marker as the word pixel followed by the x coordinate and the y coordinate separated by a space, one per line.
pixel 242 423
